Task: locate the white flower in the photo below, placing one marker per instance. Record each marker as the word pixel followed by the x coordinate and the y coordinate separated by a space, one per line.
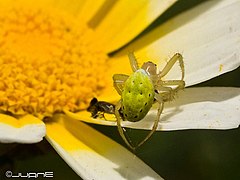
pixel 207 35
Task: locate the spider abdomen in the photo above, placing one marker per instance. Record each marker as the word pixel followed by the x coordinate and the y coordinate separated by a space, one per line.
pixel 137 96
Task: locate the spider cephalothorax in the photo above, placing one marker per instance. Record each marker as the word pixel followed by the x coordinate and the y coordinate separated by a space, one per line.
pixel 143 88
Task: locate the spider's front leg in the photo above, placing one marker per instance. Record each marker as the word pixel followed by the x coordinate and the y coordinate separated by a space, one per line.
pixel 177 57
pixel 165 87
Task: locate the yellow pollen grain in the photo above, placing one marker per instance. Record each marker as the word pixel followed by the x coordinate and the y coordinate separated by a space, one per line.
pixel 49 62
pixel 220 67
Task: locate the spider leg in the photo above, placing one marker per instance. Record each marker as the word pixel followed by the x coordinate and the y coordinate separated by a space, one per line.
pixel 168 93
pixel 179 83
pixel 118 82
pixel 133 61
pixel 171 62
pixel 121 130
pixel 155 125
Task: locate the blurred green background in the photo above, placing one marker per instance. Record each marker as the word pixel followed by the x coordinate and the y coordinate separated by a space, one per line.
pixel 181 155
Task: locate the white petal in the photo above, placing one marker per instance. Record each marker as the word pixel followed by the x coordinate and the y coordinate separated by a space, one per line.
pixel 14 130
pixel 193 108
pixel 197 108
pixel 208 37
pixel 92 155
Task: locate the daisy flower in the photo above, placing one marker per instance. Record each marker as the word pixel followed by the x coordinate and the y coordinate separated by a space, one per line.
pixel 55 56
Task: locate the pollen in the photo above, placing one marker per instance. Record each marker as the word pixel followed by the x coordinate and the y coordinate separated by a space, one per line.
pixel 220 67
pixel 49 62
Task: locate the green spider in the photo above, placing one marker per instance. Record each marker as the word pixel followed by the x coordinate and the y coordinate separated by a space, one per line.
pixel 141 90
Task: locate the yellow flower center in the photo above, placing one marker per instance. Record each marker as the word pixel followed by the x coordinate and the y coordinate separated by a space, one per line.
pixel 49 61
